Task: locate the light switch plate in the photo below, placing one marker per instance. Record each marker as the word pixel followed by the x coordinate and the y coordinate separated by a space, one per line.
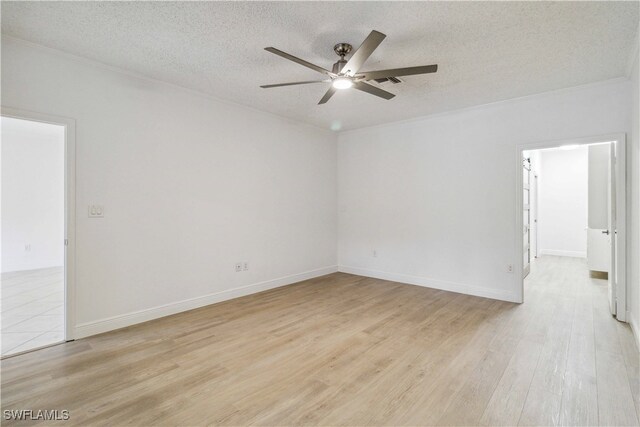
pixel 96 211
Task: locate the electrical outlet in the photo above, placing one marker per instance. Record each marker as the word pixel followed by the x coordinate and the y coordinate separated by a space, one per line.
pixel 509 268
pixel 27 247
pixel 245 266
pixel 96 211
pixel 238 267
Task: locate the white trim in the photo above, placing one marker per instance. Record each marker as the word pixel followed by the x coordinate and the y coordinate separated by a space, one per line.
pixel 116 322
pixel 621 212
pixel 104 66
pixel 560 252
pixel 70 205
pixel 621 227
pixel 492 104
pixel 475 290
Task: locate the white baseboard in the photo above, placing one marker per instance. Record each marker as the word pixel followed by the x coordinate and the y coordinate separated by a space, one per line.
pixel 124 320
pixel 559 252
pixel 461 288
pixel 633 322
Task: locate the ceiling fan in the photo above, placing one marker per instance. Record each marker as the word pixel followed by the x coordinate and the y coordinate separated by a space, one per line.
pixel 346 74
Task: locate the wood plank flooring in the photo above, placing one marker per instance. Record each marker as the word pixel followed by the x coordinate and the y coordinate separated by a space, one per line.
pixel 349 350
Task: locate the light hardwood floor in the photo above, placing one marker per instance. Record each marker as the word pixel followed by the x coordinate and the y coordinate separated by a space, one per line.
pixel 349 350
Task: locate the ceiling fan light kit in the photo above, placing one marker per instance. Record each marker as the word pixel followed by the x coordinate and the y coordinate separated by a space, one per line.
pixel 342 83
pixel 346 74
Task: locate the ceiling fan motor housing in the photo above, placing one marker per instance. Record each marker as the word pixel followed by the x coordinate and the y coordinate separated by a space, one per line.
pixel 341 49
pixel 338 66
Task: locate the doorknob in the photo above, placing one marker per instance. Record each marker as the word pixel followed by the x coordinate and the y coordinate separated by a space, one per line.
pixel 605 232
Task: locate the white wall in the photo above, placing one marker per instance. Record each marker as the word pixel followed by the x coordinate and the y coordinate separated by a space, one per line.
pixel 190 186
pixel 436 197
pixel 633 284
pixel 563 202
pixel 32 195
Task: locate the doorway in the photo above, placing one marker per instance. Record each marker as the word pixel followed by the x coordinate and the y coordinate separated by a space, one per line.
pixel 579 213
pixel 37 195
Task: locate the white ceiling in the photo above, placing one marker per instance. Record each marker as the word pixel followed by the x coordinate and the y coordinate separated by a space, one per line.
pixel 486 51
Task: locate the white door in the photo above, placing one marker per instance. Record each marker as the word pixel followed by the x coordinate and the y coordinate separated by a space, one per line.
pixel 611 230
pixel 598 249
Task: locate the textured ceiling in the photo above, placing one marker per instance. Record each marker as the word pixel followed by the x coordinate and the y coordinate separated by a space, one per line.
pixel 486 51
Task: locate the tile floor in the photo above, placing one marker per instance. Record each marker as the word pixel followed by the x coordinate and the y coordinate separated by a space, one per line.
pixel 32 309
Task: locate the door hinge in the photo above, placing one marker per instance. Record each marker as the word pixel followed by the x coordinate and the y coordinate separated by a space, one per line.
pixel 66 242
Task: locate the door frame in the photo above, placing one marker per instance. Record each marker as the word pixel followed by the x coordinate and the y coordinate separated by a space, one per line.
pixel 621 211
pixel 534 193
pixel 526 269
pixel 70 205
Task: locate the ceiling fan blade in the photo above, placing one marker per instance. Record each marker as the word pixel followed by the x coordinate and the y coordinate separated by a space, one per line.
pixel 327 95
pixel 373 90
pixel 293 83
pixel 395 72
pixel 363 53
pixel 298 60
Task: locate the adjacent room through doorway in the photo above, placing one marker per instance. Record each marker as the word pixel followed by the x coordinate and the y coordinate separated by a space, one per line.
pixel 33 230
pixel 570 222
